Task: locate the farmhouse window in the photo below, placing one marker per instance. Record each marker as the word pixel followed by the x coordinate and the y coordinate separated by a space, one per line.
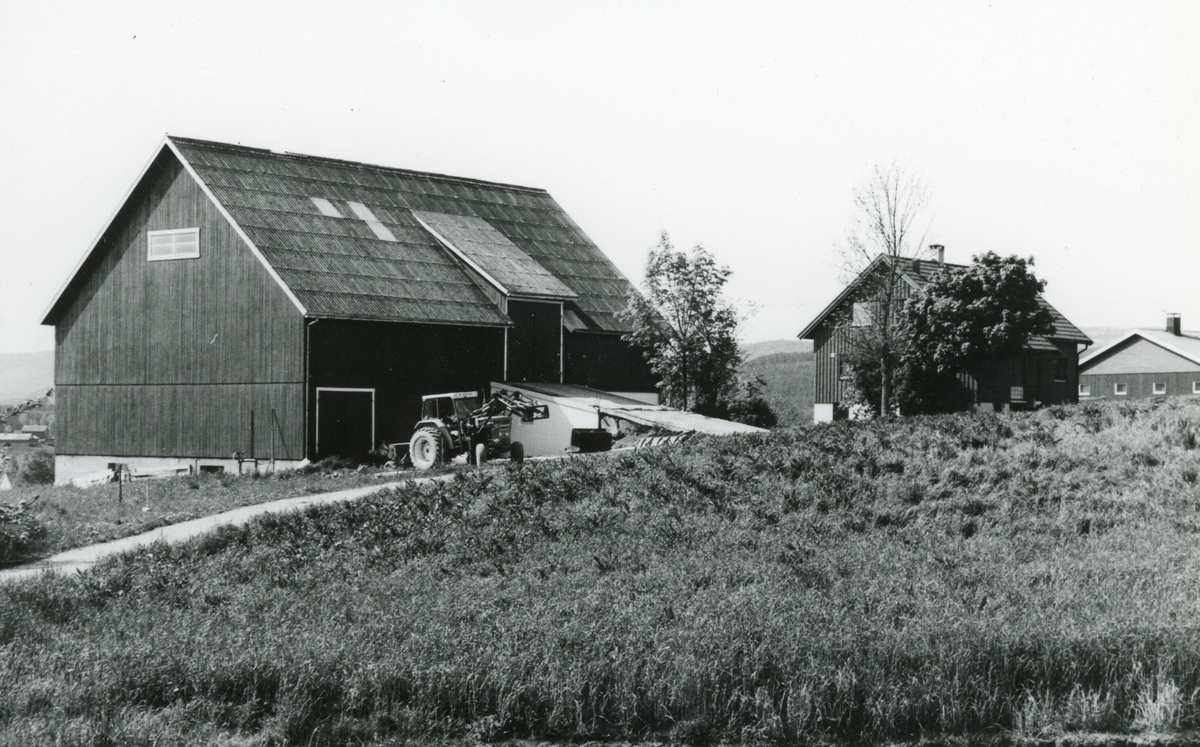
pixel 862 315
pixel 1160 388
pixel 1060 368
pixel 1196 387
pixel 844 371
pixel 1120 389
pixel 1016 393
pixel 179 243
pixel 1085 390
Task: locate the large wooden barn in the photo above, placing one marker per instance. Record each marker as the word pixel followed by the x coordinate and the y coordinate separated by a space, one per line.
pixel 289 306
pixel 1046 372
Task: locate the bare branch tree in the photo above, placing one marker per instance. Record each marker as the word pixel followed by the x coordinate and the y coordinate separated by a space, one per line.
pixel 888 208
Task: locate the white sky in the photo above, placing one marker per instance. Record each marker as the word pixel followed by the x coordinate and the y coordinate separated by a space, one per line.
pixel 1069 131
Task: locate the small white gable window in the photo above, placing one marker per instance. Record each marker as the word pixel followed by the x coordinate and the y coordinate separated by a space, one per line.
pixel 1085 390
pixel 1196 387
pixel 1160 388
pixel 179 243
pixel 1120 389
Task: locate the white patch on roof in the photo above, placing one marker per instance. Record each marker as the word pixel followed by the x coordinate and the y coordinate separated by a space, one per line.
pixel 491 254
pixel 365 214
pixel 326 207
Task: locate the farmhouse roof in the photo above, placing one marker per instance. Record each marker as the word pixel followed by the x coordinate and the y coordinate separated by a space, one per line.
pixel 1186 345
pixel 355 240
pixel 918 273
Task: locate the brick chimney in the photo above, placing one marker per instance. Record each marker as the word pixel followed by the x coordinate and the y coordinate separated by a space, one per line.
pixel 940 251
pixel 1173 324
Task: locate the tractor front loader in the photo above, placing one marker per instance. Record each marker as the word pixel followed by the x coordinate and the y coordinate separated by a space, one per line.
pixel 455 424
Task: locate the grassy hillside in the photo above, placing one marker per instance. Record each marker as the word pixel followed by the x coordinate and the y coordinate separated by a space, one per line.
pixel 754 350
pixel 789 390
pixel 1034 572
pixel 25 376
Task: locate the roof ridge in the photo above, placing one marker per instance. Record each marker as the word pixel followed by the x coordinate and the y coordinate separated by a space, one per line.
pixel 214 144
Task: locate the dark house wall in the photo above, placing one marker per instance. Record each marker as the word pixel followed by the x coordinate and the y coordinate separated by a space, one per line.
pixel 400 362
pixel 604 361
pixel 168 358
pixel 1041 375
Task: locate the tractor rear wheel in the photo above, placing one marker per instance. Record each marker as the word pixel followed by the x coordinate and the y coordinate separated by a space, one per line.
pixel 425 449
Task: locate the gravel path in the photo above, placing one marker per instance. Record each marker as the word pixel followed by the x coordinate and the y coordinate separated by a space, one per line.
pixel 82 558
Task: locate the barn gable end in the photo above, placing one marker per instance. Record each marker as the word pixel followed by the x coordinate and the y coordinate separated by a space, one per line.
pixel 166 358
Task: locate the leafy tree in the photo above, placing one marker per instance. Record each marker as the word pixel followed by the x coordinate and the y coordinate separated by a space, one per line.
pixel 969 316
pixel 687 328
pixel 888 205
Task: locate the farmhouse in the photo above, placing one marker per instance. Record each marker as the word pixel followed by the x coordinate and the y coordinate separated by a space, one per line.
pixel 1045 373
pixel 1144 363
pixel 291 307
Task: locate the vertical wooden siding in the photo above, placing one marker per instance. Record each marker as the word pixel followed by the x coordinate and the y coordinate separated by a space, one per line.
pixel 606 362
pixel 831 346
pixel 167 358
pixel 535 342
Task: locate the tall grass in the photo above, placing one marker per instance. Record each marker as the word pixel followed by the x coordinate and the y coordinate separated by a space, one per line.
pixel 858 581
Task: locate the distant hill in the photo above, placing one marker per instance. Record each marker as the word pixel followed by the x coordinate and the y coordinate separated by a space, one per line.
pixel 25 376
pixel 758 349
pixel 789 389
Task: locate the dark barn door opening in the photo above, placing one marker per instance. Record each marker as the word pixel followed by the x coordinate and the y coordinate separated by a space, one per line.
pixel 535 342
pixel 345 421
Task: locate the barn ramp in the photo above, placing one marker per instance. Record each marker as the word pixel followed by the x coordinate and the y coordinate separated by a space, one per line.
pixel 580 407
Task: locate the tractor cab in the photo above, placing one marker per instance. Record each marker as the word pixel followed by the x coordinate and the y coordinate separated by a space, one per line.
pixel 449 408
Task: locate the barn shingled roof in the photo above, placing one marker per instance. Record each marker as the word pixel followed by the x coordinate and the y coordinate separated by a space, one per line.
pixel 381 262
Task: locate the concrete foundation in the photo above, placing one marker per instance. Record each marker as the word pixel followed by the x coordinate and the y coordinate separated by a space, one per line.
pixel 85 470
pixel 823 412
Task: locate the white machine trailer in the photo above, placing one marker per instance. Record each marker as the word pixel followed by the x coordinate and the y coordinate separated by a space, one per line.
pixel 577 412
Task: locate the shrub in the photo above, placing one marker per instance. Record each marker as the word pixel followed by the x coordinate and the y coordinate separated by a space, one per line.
pixel 749 406
pixel 37 468
pixel 21 533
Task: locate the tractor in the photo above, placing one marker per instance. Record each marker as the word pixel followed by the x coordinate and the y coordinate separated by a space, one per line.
pixel 455 424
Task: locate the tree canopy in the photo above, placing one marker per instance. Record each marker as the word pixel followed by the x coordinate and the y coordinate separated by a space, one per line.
pixel 971 315
pixel 686 328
